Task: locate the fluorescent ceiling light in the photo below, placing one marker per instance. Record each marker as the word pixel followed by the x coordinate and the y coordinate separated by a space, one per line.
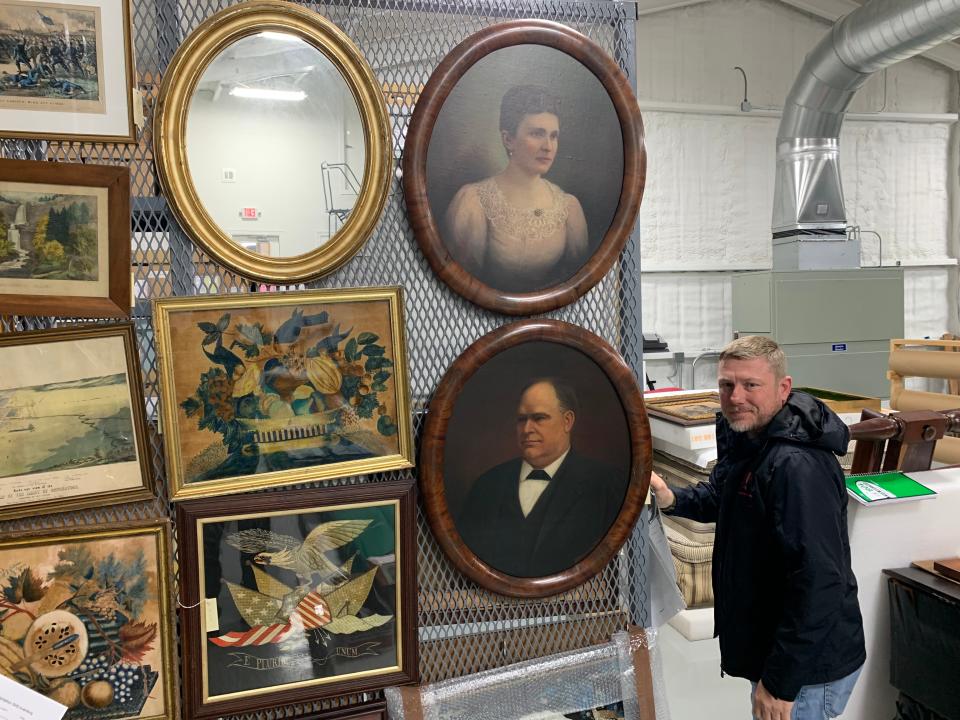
pixel 273 35
pixel 267 94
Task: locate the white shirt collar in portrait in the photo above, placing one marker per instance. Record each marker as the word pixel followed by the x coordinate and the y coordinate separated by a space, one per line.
pixel 531 490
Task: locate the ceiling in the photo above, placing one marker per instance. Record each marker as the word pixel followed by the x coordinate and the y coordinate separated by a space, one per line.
pixel 947 54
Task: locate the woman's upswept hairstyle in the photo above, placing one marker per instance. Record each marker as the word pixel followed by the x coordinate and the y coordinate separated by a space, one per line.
pixel 523 100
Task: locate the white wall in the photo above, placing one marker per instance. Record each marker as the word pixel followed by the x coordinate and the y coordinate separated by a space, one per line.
pixel 708 201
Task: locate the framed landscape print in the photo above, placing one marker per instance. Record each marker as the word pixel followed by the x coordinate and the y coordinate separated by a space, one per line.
pixel 86 621
pixel 524 166
pixel 296 595
pixel 73 431
pixel 67 70
pixel 64 239
pixel 536 458
pixel 276 388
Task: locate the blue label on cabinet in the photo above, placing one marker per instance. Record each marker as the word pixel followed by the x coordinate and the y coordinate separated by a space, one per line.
pixel 839 347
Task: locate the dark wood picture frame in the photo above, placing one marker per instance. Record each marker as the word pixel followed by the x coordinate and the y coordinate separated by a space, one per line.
pixel 116 181
pixel 369 711
pixel 78 471
pixel 191 514
pixel 427 228
pixel 432 453
pixel 658 407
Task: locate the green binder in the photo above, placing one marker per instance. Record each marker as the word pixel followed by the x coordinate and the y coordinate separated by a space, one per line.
pixel 889 487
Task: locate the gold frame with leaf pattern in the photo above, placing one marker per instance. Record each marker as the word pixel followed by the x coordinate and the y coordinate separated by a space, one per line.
pixel 180 81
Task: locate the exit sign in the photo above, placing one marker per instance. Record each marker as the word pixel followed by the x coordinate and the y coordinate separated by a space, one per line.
pixel 249 213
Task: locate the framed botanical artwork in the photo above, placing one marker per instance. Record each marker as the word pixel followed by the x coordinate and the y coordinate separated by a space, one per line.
pixel 524 166
pixel 297 595
pixel 64 239
pixel 86 621
pixel 687 410
pixel 276 388
pixel 68 72
pixel 73 433
pixel 536 458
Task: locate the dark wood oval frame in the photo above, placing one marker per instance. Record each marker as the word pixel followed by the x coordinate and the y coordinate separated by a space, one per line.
pixel 434 438
pixel 431 100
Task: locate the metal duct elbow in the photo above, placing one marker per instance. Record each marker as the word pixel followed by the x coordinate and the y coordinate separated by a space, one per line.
pixel 808 196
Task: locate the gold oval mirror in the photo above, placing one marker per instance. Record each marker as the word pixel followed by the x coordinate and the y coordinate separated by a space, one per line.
pixel 273 141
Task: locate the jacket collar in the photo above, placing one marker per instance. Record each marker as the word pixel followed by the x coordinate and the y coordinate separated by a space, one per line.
pixel 803 419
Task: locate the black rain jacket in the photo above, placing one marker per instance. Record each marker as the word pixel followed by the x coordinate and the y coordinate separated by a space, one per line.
pixel 786 605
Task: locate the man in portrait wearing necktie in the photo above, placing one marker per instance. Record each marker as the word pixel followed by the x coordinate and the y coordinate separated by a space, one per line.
pixel 542 512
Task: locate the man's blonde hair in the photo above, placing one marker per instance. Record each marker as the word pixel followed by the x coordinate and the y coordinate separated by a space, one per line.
pixel 757 346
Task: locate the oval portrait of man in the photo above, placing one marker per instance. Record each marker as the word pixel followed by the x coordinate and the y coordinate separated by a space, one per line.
pixel 525 167
pixel 538 458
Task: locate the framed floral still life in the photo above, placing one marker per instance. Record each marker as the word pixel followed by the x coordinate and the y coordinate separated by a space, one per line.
pixel 277 388
pixel 296 595
pixel 67 70
pixel 86 621
pixel 64 239
pixel 74 427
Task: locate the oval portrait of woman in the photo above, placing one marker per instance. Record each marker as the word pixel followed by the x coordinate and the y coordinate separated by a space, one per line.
pixel 536 458
pixel 524 166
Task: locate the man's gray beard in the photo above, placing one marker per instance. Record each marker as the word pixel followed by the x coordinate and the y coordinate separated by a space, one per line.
pixel 743 425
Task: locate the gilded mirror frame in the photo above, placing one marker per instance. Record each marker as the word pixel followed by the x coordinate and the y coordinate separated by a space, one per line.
pixel 183 74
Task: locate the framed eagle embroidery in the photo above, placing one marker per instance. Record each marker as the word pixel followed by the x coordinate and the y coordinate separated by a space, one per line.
pixel 295 595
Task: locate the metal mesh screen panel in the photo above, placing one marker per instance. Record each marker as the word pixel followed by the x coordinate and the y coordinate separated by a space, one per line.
pixel 462 627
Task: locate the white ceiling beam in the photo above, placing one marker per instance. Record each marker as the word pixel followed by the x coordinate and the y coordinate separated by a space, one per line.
pixel 648 7
pixel 947 53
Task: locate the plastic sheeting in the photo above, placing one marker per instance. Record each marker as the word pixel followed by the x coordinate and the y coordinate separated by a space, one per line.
pixel 625 671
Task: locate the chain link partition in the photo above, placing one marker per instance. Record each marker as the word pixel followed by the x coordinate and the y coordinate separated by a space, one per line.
pixel 462 628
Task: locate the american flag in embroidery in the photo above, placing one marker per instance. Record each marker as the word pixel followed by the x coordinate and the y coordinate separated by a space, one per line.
pixel 313 611
pixel 261 635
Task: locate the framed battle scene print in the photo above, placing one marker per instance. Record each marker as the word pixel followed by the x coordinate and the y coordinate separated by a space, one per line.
pixel 66 71
pixel 64 239
pixel 296 595
pixel 73 433
pixel 536 458
pixel 524 166
pixel 86 621
pixel 275 388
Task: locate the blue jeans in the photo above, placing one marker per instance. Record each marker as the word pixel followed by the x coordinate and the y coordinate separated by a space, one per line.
pixel 821 702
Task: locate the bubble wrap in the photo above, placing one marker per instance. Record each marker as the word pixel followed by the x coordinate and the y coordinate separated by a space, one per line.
pixel 627 669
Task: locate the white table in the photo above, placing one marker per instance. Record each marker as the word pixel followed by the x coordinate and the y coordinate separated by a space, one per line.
pixel 892 536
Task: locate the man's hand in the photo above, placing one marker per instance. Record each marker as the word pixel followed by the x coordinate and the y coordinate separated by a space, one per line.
pixel 661 490
pixel 767 707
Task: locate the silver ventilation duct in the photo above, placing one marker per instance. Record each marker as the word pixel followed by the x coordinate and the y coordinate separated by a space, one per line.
pixel 809 219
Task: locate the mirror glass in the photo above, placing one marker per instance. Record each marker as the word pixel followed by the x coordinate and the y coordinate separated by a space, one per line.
pixel 275 144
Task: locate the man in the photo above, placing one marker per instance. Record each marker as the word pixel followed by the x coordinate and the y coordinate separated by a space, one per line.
pixel 542 512
pixel 786 605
